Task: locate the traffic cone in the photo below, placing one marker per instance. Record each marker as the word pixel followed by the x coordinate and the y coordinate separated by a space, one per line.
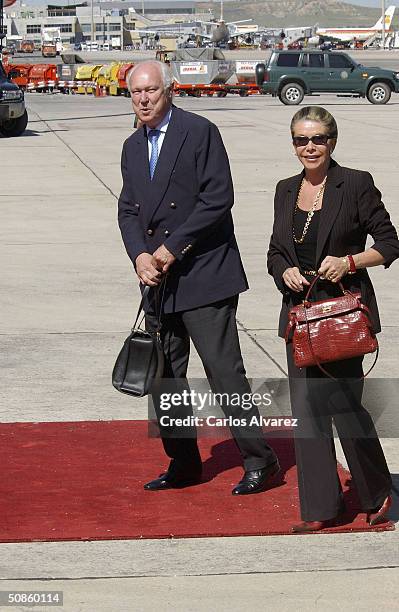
pixel 97 92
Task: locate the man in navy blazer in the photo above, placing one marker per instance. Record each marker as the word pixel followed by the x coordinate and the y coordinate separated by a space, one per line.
pixel 175 219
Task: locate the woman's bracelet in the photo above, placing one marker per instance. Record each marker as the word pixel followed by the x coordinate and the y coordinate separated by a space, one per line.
pixel 350 264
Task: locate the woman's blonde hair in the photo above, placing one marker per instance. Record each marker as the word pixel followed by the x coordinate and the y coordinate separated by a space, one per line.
pixel 319 114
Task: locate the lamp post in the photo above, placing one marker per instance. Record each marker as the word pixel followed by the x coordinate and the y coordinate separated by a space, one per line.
pixel 92 23
pixel 1 28
pixel 383 25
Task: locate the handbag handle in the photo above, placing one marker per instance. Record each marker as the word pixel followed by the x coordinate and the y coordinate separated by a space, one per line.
pixel 344 291
pixel 315 280
pixel 158 306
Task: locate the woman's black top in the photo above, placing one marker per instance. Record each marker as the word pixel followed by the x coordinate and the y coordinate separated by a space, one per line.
pixel 306 251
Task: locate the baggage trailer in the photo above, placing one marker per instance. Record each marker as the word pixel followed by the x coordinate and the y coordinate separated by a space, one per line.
pixel 211 72
pixel 243 89
pixel 198 66
pixel 245 71
pixel 197 90
pixel 219 90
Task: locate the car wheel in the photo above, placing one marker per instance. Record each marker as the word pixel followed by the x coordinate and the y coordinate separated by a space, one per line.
pixel 379 93
pixel 291 94
pixel 14 127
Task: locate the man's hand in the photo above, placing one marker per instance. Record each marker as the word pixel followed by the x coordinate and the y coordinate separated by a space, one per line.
pixel 147 271
pixel 294 279
pixel 163 259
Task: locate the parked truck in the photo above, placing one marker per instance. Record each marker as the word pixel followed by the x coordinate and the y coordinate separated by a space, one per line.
pixel 51 40
pixel 27 46
pixel 116 42
pixel 49 49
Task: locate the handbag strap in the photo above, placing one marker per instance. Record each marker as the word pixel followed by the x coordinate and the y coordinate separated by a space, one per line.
pixel 311 347
pixel 158 303
pixel 315 280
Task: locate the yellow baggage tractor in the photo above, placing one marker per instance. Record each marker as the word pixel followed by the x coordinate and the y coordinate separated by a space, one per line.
pixel 86 76
pixel 114 80
pixel 119 86
pixel 107 74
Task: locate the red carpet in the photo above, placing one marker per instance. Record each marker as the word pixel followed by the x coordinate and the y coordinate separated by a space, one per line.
pixel 84 481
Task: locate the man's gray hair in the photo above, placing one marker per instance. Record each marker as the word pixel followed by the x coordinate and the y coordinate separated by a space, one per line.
pixel 163 68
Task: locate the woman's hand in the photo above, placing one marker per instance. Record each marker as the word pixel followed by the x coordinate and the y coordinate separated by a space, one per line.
pixel 333 268
pixel 294 279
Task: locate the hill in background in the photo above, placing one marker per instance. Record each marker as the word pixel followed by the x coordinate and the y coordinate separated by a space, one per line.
pixel 286 13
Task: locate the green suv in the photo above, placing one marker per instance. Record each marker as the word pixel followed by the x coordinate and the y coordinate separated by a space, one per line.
pixel 13 115
pixel 291 75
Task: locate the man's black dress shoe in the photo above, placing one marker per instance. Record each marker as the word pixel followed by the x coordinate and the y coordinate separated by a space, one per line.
pixel 255 481
pixel 169 480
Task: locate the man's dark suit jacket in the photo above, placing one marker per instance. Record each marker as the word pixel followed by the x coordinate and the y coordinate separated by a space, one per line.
pixel 187 207
pixel 352 209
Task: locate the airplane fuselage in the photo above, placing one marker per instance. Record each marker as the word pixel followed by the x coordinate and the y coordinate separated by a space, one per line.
pixel 349 34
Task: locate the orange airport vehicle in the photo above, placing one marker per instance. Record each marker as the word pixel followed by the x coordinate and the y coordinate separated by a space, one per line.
pixel 27 46
pixel 22 79
pixel 49 49
pixel 42 77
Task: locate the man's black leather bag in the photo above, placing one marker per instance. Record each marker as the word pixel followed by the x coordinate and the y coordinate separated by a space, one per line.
pixel 140 362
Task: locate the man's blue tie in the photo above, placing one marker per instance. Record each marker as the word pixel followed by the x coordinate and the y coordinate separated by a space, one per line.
pixel 153 136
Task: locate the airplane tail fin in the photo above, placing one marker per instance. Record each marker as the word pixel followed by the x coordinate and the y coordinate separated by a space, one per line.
pixel 389 13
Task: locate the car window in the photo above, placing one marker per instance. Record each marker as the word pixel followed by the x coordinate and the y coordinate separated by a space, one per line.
pixel 339 61
pixel 313 60
pixel 316 60
pixel 288 59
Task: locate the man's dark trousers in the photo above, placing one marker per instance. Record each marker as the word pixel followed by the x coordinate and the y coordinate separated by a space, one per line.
pixel 213 330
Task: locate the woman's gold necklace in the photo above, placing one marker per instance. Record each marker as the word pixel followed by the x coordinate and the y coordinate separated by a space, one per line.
pixel 310 212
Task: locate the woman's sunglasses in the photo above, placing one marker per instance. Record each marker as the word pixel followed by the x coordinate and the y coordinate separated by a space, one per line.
pixel 302 141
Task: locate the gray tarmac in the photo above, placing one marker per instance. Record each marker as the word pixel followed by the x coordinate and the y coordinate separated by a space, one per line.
pixel 67 302
pixel 370 57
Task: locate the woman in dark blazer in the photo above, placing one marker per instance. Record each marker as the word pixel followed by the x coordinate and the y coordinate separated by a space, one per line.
pixel 322 218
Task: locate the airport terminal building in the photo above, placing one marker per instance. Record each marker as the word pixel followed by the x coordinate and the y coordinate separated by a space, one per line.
pixel 104 22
